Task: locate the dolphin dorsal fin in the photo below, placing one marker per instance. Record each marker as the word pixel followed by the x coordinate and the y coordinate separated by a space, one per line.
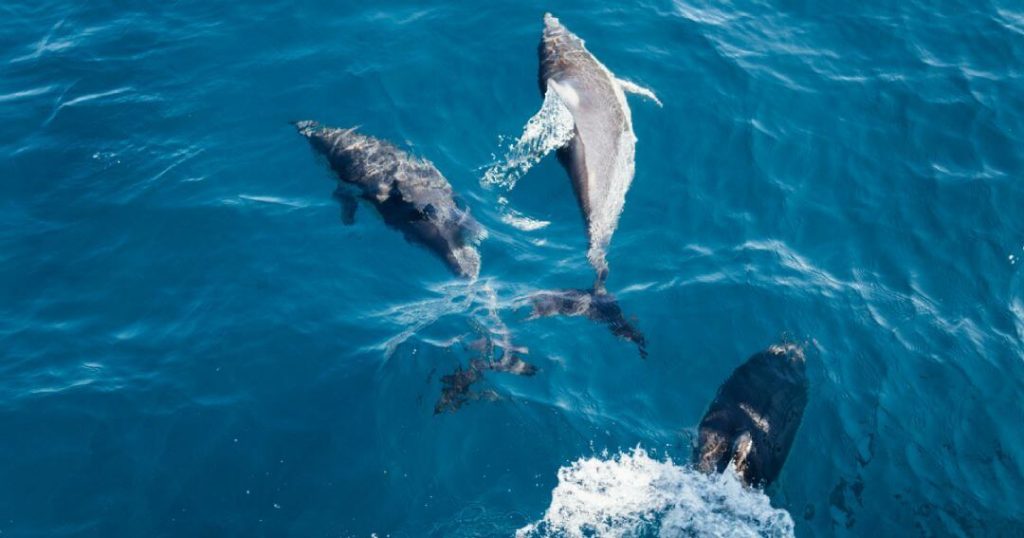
pixel 630 87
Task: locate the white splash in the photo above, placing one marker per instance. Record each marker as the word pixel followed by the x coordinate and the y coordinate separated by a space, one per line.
pixel 632 494
pixel 549 129
pixel 274 200
pixel 518 220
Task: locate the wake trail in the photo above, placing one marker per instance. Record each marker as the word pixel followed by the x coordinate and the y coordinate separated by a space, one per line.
pixel 481 308
pixel 414 317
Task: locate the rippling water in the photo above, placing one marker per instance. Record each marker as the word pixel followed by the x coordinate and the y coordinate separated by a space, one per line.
pixel 194 344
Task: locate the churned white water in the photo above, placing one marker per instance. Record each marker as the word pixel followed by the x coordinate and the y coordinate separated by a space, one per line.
pixel 518 220
pixel 633 494
pixel 549 129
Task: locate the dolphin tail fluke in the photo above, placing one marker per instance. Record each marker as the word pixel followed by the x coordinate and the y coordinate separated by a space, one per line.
pixel 597 305
pixel 636 89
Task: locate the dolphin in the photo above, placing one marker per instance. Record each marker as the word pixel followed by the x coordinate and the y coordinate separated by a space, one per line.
pixel 410 193
pixel 600 155
pixel 754 418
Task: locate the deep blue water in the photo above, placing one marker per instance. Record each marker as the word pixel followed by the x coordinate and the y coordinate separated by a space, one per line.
pixel 194 345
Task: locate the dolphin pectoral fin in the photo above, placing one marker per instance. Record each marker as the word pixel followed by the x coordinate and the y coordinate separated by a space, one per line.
pixel 348 210
pixel 630 87
pixel 566 94
pixel 348 206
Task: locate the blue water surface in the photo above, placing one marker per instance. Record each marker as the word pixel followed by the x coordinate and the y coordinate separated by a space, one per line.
pixel 195 345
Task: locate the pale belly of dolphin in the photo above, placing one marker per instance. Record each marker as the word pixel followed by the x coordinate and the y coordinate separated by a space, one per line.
pixel 603 156
pixel 585 115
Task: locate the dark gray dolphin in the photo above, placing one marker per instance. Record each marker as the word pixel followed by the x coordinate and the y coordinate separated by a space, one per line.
pixel 410 193
pixel 600 156
pixel 598 306
pixel 755 416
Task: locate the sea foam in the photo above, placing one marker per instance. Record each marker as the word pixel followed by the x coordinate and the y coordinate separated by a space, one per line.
pixel 633 494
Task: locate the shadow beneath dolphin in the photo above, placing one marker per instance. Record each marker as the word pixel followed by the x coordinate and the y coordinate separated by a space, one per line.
pixel 457 387
pixel 599 306
pixel 495 352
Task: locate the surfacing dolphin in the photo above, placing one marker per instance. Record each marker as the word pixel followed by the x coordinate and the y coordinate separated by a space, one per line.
pixel 410 193
pixel 755 416
pixel 600 155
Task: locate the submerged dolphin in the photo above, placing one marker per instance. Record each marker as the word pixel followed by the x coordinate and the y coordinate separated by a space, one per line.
pixel 755 416
pixel 456 387
pixel 497 353
pixel 600 155
pixel 410 193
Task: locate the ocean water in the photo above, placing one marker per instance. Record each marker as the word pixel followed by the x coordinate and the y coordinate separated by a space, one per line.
pixel 195 345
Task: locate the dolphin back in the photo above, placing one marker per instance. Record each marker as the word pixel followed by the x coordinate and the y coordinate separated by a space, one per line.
pixel 410 193
pixel 754 418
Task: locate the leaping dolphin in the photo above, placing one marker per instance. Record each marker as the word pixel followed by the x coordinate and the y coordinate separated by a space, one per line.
pixel 600 155
pixel 755 416
pixel 410 193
